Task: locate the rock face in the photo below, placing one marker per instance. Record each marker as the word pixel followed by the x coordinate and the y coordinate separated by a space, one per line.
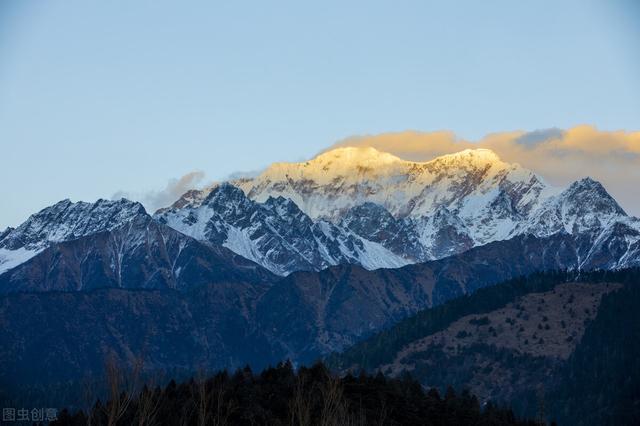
pixel 378 211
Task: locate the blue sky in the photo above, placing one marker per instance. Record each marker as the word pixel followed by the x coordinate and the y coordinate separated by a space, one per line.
pixel 101 97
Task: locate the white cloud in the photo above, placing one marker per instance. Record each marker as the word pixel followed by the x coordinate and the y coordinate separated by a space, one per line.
pixel 153 200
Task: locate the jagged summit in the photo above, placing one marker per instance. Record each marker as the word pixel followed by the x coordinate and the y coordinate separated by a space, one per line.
pixel 600 200
pixel 277 234
pixel 68 220
pixel 64 221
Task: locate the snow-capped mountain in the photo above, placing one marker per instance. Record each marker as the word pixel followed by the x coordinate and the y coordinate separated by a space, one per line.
pixel 114 244
pixel 411 211
pixel 585 206
pixel 364 207
pixel 275 234
pixel 60 222
pixel 335 181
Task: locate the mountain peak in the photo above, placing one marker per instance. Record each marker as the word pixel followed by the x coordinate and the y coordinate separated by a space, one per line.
pixel 68 220
pixel 64 221
pixel 477 156
pixel 590 195
pixel 345 162
pixel 587 183
pixel 225 193
pixel 355 158
pixel 355 155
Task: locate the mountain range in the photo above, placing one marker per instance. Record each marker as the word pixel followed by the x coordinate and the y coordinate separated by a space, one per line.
pixel 363 207
pixel 300 261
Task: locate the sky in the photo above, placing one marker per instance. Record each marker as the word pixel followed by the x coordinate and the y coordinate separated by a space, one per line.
pixel 145 98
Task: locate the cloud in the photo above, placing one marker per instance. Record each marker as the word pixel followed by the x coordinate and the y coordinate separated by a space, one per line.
pixel 538 136
pixel 559 156
pixel 153 200
pixel 244 174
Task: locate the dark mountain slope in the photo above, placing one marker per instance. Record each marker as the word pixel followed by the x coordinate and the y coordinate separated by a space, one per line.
pixel 57 337
pixel 314 313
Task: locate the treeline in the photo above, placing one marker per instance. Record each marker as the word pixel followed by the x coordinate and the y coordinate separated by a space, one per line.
pixel 283 396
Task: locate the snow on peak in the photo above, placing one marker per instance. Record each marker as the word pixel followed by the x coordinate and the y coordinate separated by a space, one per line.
pixel 349 163
pixel 585 206
pixel 328 185
pixel 64 221
pixel 416 210
pixel 478 156
pixel 594 195
pixel 357 164
pixel 354 156
pixel 275 233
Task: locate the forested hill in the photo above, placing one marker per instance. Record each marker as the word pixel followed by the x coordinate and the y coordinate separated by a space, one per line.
pixel 567 343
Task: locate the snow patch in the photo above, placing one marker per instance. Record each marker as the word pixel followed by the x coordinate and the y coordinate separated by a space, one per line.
pixel 11 258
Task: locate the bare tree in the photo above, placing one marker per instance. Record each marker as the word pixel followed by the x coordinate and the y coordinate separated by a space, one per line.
pixel 202 401
pixel 541 416
pixel 334 410
pixel 89 398
pixel 224 407
pixel 148 404
pixel 300 404
pixel 213 406
pixel 121 386
pixel 382 414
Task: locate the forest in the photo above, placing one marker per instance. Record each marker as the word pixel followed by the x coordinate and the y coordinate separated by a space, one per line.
pixel 282 395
